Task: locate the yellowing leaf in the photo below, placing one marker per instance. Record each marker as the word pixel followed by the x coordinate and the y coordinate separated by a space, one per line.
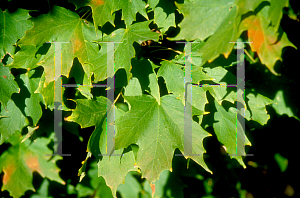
pixel 60 25
pixel 22 159
pixel 266 41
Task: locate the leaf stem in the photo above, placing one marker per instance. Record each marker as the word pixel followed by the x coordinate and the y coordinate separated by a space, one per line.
pixel 84 14
pixel 178 52
pixel 247 53
pixel 118 96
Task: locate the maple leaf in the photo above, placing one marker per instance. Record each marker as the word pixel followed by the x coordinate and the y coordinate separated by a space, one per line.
pixel 22 159
pixel 257 106
pixel 266 41
pixel 124 51
pixel 7 126
pixel 88 112
pixel 276 11
pixel 7 85
pixel 103 10
pixel 61 25
pixel 12 27
pixel 201 18
pixel 158 131
pixel 164 14
pixel 230 132
pixel 227 32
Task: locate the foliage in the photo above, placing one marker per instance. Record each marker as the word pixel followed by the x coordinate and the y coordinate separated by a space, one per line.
pixel 149 93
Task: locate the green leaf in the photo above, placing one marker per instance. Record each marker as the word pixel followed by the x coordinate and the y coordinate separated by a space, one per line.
pixel 130 8
pixel 257 105
pixel 219 75
pixel 13 120
pixel 22 159
pixel 174 77
pixel 93 184
pixel 198 74
pixel 281 161
pixel 227 32
pixel 62 25
pixel 29 57
pixel 122 107
pixel 7 85
pixel 133 88
pixel 143 70
pixel 153 86
pixel 280 106
pixel 244 7
pixel 124 51
pixel 119 167
pixel 43 190
pixel 47 93
pixel 131 187
pixel 199 99
pixel 227 128
pixel 276 11
pixel 33 107
pixel 12 27
pixel 220 93
pixel 164 14
pixel 103 10
pixel 196 58
pixel 81 78
pixel 201 18
pixel 89 112
pixel 157 130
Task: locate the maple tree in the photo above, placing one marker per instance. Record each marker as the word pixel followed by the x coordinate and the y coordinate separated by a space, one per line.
pixel 149 87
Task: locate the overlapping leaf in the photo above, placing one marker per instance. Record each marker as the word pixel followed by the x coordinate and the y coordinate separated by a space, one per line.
pixel 11 120
pixel 164 14
pixel 201 18
pixel 132 187
pixel 174 77
pixel 20 160
pixel 60 25
pixel 257 105
pixel 120 165
pixel 89 112
pixel 276 11
pixel 267 41
pixel 124 51
pixel 7 85
pixel 144 72
pixel 32 101
pixel 12 27
pixel 157 130
pixel 93 185
pixel 230 132
pixel 227 32
pixel 154 123
pixel 103 10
